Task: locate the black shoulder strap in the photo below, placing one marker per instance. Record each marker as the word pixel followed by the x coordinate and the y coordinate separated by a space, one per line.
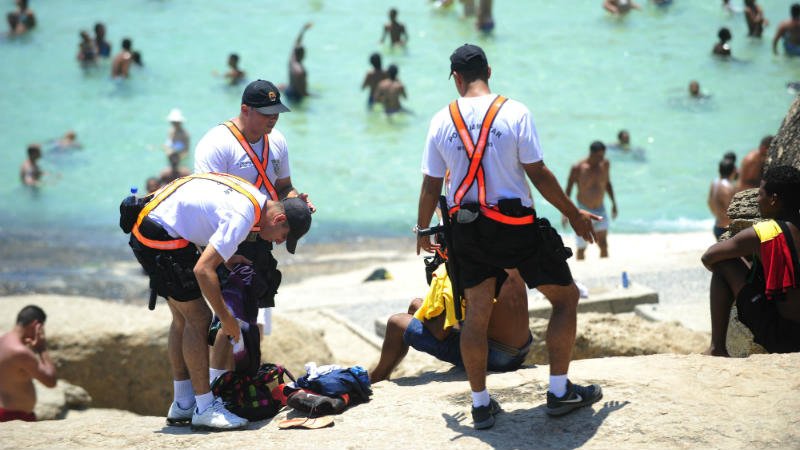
pixel 792 249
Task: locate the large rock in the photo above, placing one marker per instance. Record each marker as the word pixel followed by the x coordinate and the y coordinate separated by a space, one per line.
pixel 118 353
pixel 743 212
pixel 53 403
pixel 602 335
pixel 658 401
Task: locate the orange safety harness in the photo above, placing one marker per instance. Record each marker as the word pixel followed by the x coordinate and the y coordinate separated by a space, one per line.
pixel 159 196
pixel 259 164
pixel 475 152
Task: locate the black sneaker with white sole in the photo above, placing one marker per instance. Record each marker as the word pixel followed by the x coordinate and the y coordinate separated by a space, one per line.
pixel 483 416
pixel 576 397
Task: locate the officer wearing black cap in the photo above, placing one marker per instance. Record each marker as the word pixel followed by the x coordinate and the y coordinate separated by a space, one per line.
pixel 489 144
pixel 249 146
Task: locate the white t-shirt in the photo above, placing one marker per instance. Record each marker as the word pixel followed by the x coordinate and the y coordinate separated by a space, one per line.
pixel 512 141
pixel 220 151
pixel 205 212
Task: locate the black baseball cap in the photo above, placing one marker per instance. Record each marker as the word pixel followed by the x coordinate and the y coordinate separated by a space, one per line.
pixel 468 57
pixel 264 97
pixel 299 217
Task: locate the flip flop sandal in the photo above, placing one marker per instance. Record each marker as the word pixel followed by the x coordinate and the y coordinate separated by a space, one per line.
pixel 306 423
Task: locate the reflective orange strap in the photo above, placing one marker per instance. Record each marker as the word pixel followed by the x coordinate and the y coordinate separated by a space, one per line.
pixel 260 165
pixel 159 196
pixel 474 151
pixel 497 216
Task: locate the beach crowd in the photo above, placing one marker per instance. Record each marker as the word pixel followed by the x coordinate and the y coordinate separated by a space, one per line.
pixel 196 232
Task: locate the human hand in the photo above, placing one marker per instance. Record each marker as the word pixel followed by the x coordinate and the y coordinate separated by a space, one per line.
pixel 582 225
pixel 305 198
pixel 230 326
pixel 308 25
pixel 424 243
pixel 614 211
pixel 39 342
pixel 564 221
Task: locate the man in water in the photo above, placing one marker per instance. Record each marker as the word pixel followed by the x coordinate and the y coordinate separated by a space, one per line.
pixel 100 42
pixel 789 31
pixel 592 175
pixel 234 75
pixel 120 65
pixel 389 91
pixel 215 212
pixel 720 194
pixel 766 294
pixel 373 77
pixel 23 358
pixel 429 327
pixel 30 174
pixel 754 16
pixel 298 78
pixel 619 7
pixel 495 226
pixel 723 47
pixel 753 165
pixel 395 30
pixel 22 20
pixel 178 138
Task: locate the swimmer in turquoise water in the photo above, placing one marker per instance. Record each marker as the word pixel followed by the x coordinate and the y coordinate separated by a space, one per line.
pixel 389 91
pixel 723 47
pixel 620 7
pixel 623 146
pixel 789 31
pixel 485 21
pixel 695 92
pixel 395 30
pixel 373 77
pixel 234 75
pixel 178 139
pixel 754 16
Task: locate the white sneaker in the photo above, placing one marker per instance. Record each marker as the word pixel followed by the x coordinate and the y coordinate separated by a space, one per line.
pixel 217 418
pixel 178 415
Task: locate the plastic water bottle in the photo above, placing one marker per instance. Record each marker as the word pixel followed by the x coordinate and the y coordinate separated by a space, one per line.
pixel 134 190
pixel 625 281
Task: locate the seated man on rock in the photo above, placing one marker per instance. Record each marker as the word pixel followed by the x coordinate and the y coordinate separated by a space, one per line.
pixel 767 294
pixel 430 326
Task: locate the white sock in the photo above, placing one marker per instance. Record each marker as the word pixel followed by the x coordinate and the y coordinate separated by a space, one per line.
pixel 204 401
pixel 183 393
pixel 213 374
pixel 558 385
pixel 480 398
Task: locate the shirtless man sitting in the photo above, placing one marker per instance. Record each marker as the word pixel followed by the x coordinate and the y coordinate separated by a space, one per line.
pixel 593 177
pixel 433 330
pixel 23 357
pixel 753 165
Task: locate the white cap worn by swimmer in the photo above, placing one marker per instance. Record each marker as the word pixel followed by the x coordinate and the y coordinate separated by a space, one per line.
pixel 175 116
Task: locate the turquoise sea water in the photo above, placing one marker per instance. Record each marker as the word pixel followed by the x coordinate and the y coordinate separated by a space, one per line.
pixel 583 74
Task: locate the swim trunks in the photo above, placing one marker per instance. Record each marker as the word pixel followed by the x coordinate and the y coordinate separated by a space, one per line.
pixel 601 225
pixel 791 49
pixel 501 357
pixel 7 415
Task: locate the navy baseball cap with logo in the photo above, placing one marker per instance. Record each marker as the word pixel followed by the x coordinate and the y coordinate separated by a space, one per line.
pixel 264 97
pixel 468 57
pixel 299 217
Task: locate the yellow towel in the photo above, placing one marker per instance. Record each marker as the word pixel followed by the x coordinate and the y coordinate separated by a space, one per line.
pixel 439 298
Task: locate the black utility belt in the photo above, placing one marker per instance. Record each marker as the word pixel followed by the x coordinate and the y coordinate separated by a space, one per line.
pixel 152 230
